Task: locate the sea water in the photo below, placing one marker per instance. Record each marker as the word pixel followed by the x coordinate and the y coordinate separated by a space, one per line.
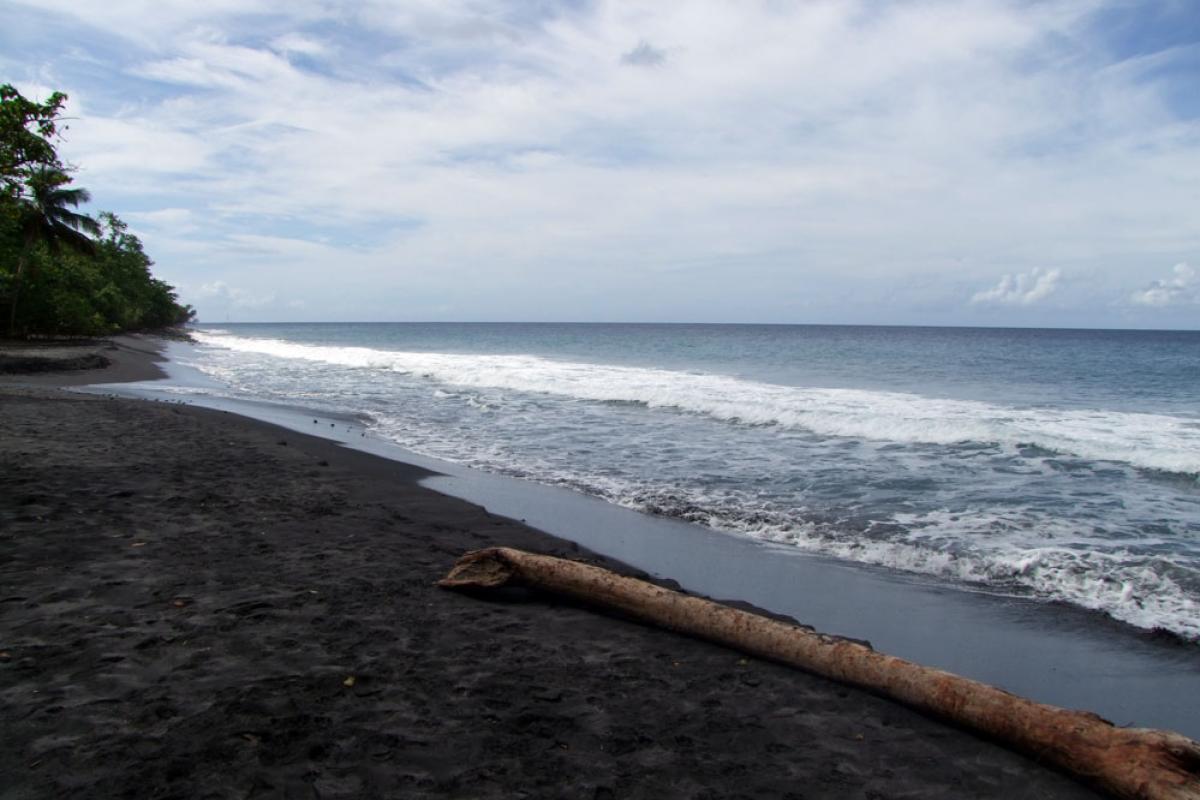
pixel 1057 464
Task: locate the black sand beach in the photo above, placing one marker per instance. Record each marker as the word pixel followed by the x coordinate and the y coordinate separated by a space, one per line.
pixel 194 604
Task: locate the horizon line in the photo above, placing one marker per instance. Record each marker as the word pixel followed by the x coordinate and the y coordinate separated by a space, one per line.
pixel 683 323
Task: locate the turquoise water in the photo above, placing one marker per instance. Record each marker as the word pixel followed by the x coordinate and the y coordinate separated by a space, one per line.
pixel 1057 464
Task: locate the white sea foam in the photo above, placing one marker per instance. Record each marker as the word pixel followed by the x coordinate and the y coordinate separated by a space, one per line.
pixel 1056 560
pixel 1025 522
pixel 1128 588
pixel 1051 558
pixel 1153 441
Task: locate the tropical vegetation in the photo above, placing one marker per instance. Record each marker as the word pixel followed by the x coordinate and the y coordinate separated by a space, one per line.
pixel 63 272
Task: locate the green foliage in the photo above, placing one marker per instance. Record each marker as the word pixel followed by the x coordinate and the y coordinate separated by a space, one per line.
pixel 73 293
pixel 62 272
pixel 27 129
pixel 46 215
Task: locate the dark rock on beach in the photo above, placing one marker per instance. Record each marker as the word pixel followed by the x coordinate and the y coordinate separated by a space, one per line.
pixel 74 361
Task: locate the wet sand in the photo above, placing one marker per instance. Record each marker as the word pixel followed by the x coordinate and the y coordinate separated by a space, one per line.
pixel 195 604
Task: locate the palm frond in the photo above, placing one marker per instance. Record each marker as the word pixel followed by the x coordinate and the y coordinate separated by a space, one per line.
pixel 79 222
pixel 58 197
pixel 73 239
pixel 48 214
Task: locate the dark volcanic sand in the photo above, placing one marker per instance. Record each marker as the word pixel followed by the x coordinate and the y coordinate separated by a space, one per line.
pixel 130 357
pixel 193 604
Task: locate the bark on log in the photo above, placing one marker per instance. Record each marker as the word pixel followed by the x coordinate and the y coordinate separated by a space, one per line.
pixel 1140 763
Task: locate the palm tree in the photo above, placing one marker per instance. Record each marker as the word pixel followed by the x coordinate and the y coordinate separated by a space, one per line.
pixel 46 217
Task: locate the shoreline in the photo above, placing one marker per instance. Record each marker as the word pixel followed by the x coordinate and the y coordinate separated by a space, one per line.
pixel 1054 653
pixel 193 606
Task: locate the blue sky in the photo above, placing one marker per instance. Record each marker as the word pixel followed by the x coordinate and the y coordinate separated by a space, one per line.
pixel 908 162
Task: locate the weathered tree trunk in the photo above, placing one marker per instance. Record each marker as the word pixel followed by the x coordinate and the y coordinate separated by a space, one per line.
pixel 1128 762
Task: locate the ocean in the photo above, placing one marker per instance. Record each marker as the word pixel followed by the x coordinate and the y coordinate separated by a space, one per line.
pixel 1062 465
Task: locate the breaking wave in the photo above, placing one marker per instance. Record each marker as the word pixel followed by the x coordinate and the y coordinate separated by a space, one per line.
pixel 1151 441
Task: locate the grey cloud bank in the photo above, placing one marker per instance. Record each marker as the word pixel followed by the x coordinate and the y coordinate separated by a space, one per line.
pixel 992 163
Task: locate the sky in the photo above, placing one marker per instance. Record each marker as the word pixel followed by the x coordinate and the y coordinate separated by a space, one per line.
pixel 927 162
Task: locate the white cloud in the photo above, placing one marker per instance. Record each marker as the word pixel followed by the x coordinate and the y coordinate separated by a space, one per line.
pixel 233 296
pixel 154 24
pixel 1022 289
pixel 299 43
pixel 137 149
pixel 1180 289
pixel 502 146
pixel 163 216
pixel 174 221
pixel 280 247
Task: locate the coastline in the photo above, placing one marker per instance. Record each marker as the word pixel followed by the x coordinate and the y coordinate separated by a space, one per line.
pixel 1051 652
pixel 190 592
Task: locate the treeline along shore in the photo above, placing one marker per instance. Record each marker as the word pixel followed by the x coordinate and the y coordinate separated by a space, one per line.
pixel 196 604
pixel 63 272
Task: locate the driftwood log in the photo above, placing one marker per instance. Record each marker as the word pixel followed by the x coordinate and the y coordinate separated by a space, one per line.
pixel 1137 763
